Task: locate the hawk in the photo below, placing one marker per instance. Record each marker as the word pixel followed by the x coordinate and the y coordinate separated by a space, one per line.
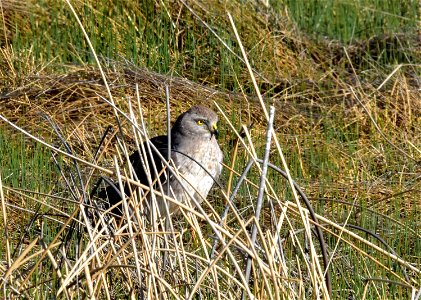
pixel 195 153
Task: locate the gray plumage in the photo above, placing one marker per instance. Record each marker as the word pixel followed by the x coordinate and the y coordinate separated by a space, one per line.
pixel 193 149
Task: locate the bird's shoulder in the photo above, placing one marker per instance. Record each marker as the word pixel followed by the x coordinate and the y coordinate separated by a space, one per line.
pixel 160 142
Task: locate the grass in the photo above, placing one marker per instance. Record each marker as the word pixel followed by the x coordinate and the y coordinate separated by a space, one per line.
pixel 348 21
pixel 27 166
pixel 343 78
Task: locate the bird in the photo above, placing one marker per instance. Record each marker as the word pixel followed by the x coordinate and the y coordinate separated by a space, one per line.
pixel 195 154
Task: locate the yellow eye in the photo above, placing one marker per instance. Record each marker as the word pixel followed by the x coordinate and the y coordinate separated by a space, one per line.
pixel 200 122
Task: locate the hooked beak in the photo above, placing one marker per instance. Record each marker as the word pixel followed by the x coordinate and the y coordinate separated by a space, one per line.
pixel 213 128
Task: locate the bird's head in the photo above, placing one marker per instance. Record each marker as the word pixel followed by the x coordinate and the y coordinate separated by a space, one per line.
pixel 197 122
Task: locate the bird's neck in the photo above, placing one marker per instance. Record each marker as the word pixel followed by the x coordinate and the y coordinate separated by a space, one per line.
pixel 179 140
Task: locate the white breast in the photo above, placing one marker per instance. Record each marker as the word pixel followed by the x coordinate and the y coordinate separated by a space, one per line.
pixel 210 156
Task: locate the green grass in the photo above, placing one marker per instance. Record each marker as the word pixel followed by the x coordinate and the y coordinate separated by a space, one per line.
pixel 348 21
pixel 148 36
pixel 331 173
pixel 25 164
pixel 27 169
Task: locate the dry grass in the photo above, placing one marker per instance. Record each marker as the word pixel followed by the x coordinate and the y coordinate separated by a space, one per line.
pixel 353 140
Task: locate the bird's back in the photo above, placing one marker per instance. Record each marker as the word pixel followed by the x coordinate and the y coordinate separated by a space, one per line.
pixel 153 165
pixel 153 162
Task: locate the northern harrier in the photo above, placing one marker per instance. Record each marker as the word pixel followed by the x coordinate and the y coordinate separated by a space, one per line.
pixel 196 156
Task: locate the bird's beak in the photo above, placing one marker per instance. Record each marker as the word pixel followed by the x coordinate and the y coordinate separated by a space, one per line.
pixel 214 130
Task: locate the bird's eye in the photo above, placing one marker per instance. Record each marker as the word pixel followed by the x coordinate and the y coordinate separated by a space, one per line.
pixel 200 122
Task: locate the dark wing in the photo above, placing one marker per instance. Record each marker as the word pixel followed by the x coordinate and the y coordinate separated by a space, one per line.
pixel 112 192
pixel 153 159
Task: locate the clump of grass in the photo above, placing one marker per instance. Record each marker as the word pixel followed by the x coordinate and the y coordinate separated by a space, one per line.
pixel 187 248
pixel 348 21
pixel 133 259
